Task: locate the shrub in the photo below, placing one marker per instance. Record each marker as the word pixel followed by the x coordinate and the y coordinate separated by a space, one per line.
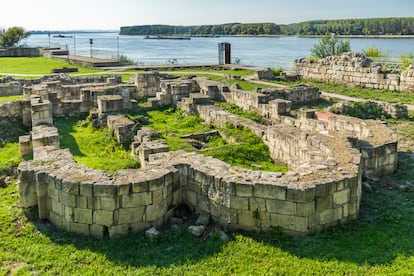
pixel 373 52
pixel 330 45
pixel 406 60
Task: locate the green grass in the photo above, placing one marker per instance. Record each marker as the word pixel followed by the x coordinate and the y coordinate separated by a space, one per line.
pixel 9 155
pixel 35 65
pixel 233 108
pixel 10 98
pixel 244 85
pixel 95 148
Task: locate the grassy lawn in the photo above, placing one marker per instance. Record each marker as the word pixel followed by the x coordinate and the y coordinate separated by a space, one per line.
pixel 35 65
pixel 95 148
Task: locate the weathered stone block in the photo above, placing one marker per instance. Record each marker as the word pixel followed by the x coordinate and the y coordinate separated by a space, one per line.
pixel 246 218
pixel 140 187
pixel 70 187
pixel 306 209
pixel 239 203
pixel 281 207
pixel 82 215
pixel 124 189
pixel 103 217
pixel 341 197
pixel 330 215
pixel 257 203
pixel 203 204
pixel 157 197
pixel 324 204
pixel 79 228
pixel 156 184
pixel 86 189
pixel 301 195
pixel 67 199
pixel 139 226
pixel 105 190
pixel 269 191
pixel 292 223
pixel 97 231
pixel 57 207
pixel 131 215
pixel 82 202
pixel 136 200
pixel 107 203
pixel 154 212
pixel 244 189
pixel 191 198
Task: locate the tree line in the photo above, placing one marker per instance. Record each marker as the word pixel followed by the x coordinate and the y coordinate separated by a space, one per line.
pixel 370 26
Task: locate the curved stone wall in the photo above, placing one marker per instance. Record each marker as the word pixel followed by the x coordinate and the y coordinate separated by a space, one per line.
pixel 321 189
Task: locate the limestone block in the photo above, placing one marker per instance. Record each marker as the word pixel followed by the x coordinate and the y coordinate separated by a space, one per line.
pixel 70 187
pixel 79 228
pixel 156 184
pixel 227 216
pixel 136 200
pixel 124 189
pixel 244 189
pixel 107 203
pixel 269 191
pixel 97 231
pixel 154 212
pixel 324 203
pixel 86 189
pixel 203 204
pixel 140 187
pixel 330 215
pixel 83 215
pixel 52 192
pixel 103 217
pixel 67 199
pixel 301 195
pixel 131 215
pixel 157 197
pixel 306 209
pixel 56 207
pixel 239 203
pixel 105 190
pixel 56 219
pixel 82 202
pixel 281 207
pixel 257 203
pixel 190 197
pixel 246 218
pixel 292 223
pixel 69 215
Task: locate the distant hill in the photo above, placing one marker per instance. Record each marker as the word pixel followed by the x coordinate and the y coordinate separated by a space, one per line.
pixel 369 26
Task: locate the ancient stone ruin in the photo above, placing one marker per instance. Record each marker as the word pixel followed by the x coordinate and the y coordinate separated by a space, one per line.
pixel 327 155
pixel 354 69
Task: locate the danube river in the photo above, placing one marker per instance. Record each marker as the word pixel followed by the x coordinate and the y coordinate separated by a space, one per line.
pixel 258 51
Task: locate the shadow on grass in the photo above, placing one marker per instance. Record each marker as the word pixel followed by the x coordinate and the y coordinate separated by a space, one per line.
pixel 65 127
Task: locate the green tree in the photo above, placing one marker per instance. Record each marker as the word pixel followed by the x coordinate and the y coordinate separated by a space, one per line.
pixel 330 45
pixel 12 37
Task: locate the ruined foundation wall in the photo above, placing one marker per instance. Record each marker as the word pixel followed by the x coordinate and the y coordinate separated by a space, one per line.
pixel 354 69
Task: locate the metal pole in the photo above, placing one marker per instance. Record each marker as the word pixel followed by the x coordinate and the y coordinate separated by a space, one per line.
pixel 74 44
pixel 91 42
pixel 117 44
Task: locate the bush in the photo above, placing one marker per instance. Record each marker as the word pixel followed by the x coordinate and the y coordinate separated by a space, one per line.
pixel 373 52
pixel 330 45
pixel 406 60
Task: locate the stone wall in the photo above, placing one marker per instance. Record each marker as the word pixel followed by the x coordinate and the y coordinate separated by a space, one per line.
pixel 355 69
pixel 13 88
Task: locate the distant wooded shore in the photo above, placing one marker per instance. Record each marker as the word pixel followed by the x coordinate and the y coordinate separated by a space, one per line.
pixel 376 27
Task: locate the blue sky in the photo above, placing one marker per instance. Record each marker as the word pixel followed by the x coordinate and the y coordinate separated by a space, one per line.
pixel 111 14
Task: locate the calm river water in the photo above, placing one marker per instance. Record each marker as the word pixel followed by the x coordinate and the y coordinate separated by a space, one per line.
pixel 259 51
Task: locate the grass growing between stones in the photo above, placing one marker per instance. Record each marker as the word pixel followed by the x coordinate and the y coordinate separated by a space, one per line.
pixel 380 242
pixel 35 65
pixel 9 154
pixel 246 150
pixel 95 148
